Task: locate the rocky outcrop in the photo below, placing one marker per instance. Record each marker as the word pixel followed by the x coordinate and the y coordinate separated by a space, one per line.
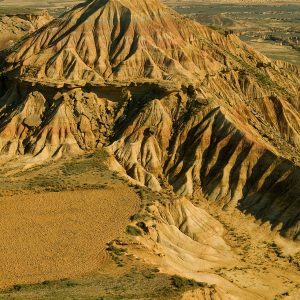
pixel 186 240
pixel 69 122
pixel 207 151
pixel 14 27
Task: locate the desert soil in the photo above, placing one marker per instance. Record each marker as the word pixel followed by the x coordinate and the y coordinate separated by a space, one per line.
pixel 59 235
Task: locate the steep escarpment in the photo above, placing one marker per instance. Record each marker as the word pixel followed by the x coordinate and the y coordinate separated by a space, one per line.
pixel 207 151
pixel 175 103
pixel 68 122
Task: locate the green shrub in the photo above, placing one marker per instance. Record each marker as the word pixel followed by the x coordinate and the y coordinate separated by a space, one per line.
pixel 17 287
pixel 115 250
pixel 142 194
pixel 135 217
pixel 132 230
pixel 181 282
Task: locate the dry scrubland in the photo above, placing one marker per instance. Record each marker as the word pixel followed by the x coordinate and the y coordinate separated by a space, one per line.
pixel 72 239
pixel 269 27
pixel 30 6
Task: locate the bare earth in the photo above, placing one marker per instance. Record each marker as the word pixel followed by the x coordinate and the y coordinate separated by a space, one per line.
pixel 57 235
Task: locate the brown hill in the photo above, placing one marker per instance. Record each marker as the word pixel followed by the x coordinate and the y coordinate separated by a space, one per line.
pixel 13 27
pixel 173 101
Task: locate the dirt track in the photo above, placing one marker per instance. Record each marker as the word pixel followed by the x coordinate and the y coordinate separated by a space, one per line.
pixel 58 235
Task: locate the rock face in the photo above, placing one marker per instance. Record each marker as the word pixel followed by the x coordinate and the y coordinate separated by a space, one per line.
pixel 13 27
pixel 173 101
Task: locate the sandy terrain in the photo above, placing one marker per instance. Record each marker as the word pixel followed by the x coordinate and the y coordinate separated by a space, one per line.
pixel 228 250
pixel 59 235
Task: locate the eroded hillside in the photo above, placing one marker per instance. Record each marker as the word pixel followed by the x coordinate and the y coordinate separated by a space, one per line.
pixel 15 26
pixel 173 101
pixel 180 108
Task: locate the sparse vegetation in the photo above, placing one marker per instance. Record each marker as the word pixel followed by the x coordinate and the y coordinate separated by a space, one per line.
pixel 276 250
pixel 185 135
pixel 134 282
pixel 181 282
pixel 278 38
pixel 116 250
pixel 142 193
pixel 86 172
pixel 133 230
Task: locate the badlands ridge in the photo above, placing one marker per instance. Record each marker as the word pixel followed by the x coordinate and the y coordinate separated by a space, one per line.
pixel 174 107
pixel 174 103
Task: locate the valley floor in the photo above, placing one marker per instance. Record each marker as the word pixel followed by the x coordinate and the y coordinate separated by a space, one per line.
pixel 49 236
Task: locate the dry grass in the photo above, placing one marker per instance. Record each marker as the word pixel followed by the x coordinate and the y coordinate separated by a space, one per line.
pixel 57 218
pixel 56 235
pixel 133 281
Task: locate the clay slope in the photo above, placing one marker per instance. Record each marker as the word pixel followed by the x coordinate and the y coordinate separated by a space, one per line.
pixel 118 39
pixel 13 27
pixel 184 239
pixel 175 103
pixel 207 150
